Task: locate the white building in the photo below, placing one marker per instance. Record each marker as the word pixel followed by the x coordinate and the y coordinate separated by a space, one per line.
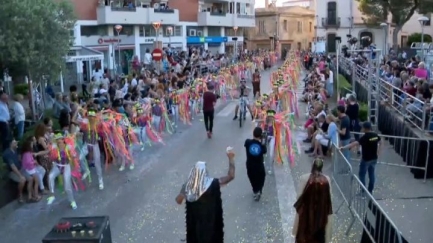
pixel 340 18
pixel 210 24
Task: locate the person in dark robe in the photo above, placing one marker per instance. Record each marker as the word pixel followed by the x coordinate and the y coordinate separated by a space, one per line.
pixel 313 219
pixel 204 212
pixel 256 149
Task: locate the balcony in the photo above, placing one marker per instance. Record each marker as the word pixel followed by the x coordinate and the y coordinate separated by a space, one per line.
pixel 245 20
pixel 136 15
pixel 225 19
pixel 331 23
pixel 215 19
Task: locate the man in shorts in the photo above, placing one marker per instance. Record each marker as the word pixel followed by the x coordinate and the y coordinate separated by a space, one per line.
pixel 16 172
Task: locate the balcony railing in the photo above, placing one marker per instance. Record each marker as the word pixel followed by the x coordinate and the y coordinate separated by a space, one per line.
pixel 331 22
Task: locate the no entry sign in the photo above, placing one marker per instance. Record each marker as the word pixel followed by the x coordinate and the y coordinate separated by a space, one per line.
pixel 157 54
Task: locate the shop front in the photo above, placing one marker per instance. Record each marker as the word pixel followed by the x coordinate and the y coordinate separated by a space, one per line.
pixel 215 44
pixel 118 51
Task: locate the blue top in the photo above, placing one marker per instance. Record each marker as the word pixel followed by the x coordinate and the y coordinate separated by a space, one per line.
pixel 332 133
pixel 4 112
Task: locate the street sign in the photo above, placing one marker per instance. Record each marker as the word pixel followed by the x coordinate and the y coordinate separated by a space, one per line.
pixel 157 54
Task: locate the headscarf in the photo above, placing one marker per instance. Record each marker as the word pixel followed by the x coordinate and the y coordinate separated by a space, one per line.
pixel 198 182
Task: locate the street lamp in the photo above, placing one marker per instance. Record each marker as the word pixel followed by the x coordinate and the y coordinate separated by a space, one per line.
pixel 422 21
pixel 156 26
pixel 170 32
pixel 118 28
pixel 235 28
pixel 385 28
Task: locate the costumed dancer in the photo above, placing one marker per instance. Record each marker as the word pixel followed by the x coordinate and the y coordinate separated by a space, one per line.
pixel 255 150
pixel 62 156
pixel 270 131
pixel 156 115
pixel 313 221
pixel 204 212
pixel 92 137
pixel 125 151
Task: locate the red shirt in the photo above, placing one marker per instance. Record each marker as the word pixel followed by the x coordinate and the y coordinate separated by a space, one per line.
pixel 209 98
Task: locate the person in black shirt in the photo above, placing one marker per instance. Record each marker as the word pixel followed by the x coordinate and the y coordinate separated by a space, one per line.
pixel 352 111
pixel 344 130
pixel 255 162
pixel 370 144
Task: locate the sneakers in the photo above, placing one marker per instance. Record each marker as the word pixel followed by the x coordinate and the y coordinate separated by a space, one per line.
pixel 131 166
pixel 309 151
pixel 101 184
pixel 257 196
pixel 85 175
pixel 50 200
pixel 122 168
pixel 74 205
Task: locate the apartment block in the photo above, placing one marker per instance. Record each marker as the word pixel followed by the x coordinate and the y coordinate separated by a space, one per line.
pixel 120 30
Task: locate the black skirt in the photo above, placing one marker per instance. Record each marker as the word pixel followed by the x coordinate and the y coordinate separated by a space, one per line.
pixel 204 217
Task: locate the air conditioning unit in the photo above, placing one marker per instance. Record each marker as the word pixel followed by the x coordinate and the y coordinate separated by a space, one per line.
pixel 199 33
pixel 192 32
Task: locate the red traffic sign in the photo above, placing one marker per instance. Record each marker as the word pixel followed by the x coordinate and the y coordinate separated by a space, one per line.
pixel 157 54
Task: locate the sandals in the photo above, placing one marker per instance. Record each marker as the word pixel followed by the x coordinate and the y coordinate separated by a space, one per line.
pixel 35 199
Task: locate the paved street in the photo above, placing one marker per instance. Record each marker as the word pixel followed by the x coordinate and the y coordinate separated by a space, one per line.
pixel 141 203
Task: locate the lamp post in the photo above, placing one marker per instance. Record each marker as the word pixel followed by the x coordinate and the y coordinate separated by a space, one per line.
pixel 235 28
pixel 170 32
pixel 422 21
pixel 385 29
pixel 118 28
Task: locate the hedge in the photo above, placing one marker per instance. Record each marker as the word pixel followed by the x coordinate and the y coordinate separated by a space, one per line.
pixel 345 88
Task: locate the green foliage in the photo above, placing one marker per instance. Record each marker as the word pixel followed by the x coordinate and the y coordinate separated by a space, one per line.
pixel 21 89
pixel 416 37
pixel 35 35
pixel 363 112
pixel 345 86
pixel 377 12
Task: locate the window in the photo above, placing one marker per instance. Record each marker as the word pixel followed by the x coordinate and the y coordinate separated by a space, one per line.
pixel 93 30
pixel 285 25
pixel 311 27
pixel 299 27
pixel 175 31
pixel 147 31
pixel 332 13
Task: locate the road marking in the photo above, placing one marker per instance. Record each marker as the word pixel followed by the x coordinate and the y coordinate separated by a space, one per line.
pixel 286 198
pixel 228 110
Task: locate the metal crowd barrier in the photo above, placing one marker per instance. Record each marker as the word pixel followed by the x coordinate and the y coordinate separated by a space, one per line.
pixel 406 147
pixel 377 226
pixel 414 110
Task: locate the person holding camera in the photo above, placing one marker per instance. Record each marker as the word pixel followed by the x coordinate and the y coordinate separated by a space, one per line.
pixel 256 149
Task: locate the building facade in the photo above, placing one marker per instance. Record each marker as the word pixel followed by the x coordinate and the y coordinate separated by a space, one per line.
pixel 282 28
pixel 341 18
pixel 210 24
pixel 413 26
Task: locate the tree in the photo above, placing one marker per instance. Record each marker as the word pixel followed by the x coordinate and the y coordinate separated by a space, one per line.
pixel 416 37
pixel 35 35
pixel 377 11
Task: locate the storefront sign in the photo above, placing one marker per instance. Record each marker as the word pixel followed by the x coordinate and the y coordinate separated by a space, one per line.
pixel 83 58
pixel 149 40
pixel 108 41
pixel 209 39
